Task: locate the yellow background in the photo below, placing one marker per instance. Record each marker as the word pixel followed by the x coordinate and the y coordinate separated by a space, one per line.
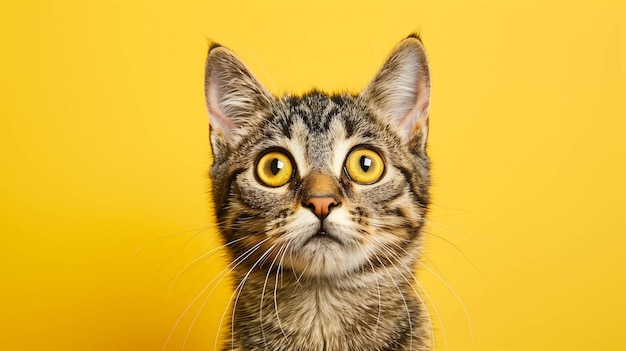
pixel 104 155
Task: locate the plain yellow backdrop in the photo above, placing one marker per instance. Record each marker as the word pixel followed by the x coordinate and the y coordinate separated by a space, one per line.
pixel 104 155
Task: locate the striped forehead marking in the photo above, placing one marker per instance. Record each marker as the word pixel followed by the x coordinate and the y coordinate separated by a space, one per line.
pixel 316 133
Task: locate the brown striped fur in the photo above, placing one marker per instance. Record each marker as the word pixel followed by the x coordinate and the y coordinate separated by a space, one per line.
pixel 347 286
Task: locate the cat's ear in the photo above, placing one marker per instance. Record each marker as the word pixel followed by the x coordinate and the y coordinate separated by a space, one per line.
pixel 235 99
pixel 400 91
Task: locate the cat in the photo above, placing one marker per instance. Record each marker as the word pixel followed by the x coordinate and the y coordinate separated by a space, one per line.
pixel 320 200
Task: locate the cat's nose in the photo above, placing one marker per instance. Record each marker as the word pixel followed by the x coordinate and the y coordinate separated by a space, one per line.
pixel 321 205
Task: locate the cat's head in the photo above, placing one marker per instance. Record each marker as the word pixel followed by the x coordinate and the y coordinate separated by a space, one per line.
pixel 320 184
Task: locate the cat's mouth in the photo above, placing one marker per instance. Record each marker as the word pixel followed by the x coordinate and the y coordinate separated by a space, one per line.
pixel 323 235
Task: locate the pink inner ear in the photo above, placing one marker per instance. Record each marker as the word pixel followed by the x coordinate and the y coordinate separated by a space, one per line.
pixel 216 115
pixel 417 118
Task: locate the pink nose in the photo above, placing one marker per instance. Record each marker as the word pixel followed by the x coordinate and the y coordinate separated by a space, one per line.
pixel 321 205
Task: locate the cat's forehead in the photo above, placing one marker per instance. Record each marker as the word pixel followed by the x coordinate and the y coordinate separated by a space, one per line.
pixel 317 111
pixel 317 129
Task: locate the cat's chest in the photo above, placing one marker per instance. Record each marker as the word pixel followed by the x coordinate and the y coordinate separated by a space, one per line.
pixel 326 310
pixel 315 311
pixel 310 317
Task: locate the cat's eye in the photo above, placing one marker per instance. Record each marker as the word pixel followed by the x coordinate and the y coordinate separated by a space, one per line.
pixel 274 169
pixel 364 166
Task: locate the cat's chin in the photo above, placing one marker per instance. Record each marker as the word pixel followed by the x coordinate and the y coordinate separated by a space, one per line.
pixel 325 255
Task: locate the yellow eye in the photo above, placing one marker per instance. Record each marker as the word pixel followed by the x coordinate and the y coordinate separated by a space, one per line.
pixel 364 166
pixel 274 169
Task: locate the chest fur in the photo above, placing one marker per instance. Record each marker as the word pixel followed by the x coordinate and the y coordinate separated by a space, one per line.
pixel 291 315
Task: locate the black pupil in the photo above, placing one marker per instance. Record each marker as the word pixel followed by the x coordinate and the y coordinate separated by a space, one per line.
pixel 276 166
pixel 365 163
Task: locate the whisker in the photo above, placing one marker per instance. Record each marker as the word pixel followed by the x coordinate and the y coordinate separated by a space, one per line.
pixel 450 230
pixel 431 262
pixel 243 281
pixel 410 271
pixel 379 297
pixel 458 298
pixel 175 252
pixel 434 306
pixel 298 277
pixel 406 306
pixel 197 261
pixel 256 247
pixel 280 263
pixel 457 249
pixel 233 265
pixel 150 242
pixel 263 296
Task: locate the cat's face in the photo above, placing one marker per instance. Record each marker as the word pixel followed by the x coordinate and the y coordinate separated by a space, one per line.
pixel 321 185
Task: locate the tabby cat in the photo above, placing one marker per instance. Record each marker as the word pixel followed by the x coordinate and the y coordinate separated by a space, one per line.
pixel 320 200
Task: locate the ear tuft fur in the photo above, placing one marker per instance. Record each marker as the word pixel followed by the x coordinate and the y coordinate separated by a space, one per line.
pixel 415 35
pixel 213 45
